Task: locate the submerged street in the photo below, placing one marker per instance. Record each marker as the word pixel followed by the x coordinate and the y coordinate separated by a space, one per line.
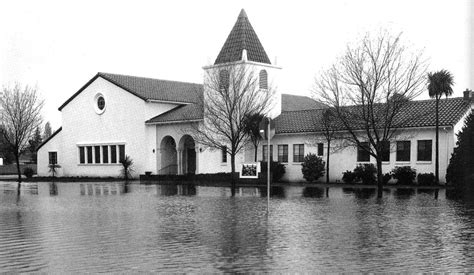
pixel 110 227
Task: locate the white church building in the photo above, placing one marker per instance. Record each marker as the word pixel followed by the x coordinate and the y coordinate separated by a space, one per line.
pixel 150 120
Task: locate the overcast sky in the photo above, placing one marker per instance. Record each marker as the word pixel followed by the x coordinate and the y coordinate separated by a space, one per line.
pixel 60 45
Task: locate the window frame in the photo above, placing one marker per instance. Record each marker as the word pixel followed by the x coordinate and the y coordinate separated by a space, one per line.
pixel 320 149
pixel 264 152
pixel 428 152
pixel 298 154
pixel 363 155
pixel 399 156
pixel 52 160
pixel 284 149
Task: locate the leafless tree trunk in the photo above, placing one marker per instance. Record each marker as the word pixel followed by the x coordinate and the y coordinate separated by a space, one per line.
pixel 368 88
pixel 20 115
pixel 231 93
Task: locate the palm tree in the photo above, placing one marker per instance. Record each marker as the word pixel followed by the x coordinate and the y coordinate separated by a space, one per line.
pixel 439 83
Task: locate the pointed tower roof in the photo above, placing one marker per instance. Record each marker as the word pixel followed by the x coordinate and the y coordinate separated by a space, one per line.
pixel 242 36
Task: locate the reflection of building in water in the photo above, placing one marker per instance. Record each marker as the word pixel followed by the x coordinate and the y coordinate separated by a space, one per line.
pixel 172 190
pixel 249 192
pixel 98 189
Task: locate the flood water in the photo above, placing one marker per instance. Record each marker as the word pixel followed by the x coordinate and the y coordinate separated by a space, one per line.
pixel 110 227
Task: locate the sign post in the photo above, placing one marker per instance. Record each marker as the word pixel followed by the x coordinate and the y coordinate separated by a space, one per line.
pixel 267 133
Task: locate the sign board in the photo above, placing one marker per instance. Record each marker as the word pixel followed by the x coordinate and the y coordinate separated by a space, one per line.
pixel 249 170
pixel 263 126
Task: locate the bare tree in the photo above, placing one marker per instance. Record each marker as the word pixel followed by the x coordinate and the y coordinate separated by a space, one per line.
pixel 231 94
pixel 20 109
pixel 369 87
pixel 329 132
pixel 252 124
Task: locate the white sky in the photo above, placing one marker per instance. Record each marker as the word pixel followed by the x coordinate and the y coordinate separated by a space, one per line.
pixel 60 45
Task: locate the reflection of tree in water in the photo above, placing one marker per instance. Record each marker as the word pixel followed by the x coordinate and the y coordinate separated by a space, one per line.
pixel 53 189
pixel 404 193
pixel 275 192
pixel 360 193
pixel 313 192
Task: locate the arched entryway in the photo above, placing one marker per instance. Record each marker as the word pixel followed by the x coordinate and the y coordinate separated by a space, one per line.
pixel 187 155
pixel 169 159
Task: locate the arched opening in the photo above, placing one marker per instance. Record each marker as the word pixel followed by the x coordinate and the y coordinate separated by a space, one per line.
pixel 224 80
pixel 169 164
pixel 187 153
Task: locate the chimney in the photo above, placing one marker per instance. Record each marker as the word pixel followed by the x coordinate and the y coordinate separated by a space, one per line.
pixel 468 95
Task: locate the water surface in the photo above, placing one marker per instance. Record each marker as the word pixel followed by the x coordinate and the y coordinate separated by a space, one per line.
pixel 111 227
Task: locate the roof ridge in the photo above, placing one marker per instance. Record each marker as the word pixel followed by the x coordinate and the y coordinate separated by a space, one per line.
pixel 149 78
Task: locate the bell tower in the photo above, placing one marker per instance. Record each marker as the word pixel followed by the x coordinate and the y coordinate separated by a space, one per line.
pixel 242 48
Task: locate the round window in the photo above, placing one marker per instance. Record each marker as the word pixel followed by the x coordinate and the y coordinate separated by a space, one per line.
pixel 101 103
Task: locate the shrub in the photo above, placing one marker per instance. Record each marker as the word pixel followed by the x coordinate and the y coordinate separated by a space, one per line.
pixel 127 167
pixel 277 169
pixel 404 174
pixel 312 167
pixel 348 176
pixel 366 173
pixel 53 169
pixel 28 172
pixel 386 178
pixel 426 179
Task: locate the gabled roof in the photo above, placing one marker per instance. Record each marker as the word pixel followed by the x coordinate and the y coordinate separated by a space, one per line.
pixel 242 36
pixel 49 138
pixel 414 114
pixel 149 88
pixel 298 103
pixel 183 113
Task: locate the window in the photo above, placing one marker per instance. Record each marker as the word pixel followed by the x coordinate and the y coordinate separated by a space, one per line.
pixel 89 154
pixel 283 153
pixel 101 103
pixel 101 154
pixel 97 154
pixel 363 154
pixel 121 152
pixel 403 150
pixel 82 155
pixel 320 149
pixel 53 157
pixel 298 152
pixel 424 150
pixel 386 150
pixel 264 153
pixel 105 154
pixel 224 154
pixel 113 154
pixel 263 76
pixel 224 80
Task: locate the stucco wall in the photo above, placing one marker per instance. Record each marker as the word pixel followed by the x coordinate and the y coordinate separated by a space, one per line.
pixel 53 145
pixel 208 160
pixel 345 158
pixel 123 121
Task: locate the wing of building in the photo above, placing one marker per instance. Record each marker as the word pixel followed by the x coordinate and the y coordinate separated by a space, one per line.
pixel 152 121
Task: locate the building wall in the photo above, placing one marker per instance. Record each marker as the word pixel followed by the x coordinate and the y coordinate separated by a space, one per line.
pixel 122 122
pixel 208 160
pixel 343 158
pixel 53 145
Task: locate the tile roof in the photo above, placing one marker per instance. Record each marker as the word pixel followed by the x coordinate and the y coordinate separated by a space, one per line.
pixel 298 103
pixel 414 114
pixel 149 88
pixel 183 113
pixel 242 36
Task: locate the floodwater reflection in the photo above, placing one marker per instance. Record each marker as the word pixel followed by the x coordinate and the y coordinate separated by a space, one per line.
pixel 113 227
